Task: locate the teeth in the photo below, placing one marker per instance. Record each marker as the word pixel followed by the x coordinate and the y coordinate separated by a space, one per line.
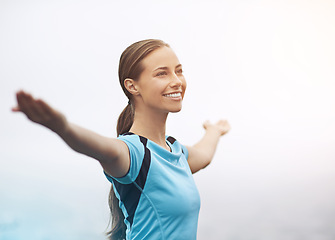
pixel 173 95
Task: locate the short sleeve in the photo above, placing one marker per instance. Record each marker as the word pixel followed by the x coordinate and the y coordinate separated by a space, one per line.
pixel 136 154
pixel 184 150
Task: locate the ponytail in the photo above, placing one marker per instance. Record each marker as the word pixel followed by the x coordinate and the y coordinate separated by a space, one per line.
pixel 118 231
pixel 125 120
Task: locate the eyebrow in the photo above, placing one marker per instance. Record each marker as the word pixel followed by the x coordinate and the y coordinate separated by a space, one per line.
pixel 165 68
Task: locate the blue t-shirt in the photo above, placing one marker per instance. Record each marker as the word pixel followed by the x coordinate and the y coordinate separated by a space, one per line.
pixel 158 196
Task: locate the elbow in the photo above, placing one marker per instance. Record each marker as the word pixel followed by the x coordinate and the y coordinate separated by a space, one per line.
pixel 201 165
pixel 207 161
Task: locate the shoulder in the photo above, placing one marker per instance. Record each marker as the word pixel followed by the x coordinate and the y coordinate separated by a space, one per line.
pixel 133 141
pixel 136 152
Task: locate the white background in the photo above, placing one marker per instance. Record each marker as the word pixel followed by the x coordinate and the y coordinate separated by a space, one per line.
pixel 266 66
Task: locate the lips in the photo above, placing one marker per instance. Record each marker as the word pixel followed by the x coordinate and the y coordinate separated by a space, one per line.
pixel 173 95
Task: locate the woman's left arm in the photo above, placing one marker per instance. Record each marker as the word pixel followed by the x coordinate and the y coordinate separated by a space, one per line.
pixel 201 154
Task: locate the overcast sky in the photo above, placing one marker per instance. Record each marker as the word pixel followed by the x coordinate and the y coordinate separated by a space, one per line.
pixel 266 66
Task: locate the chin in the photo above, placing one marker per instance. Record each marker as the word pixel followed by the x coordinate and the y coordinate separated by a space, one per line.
pixel 175 110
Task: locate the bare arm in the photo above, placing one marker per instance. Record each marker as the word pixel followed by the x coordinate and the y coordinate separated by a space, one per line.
pixel 201 154
pixel 112 153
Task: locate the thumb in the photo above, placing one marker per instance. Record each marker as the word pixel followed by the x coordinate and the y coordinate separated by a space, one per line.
pixel 16 109
pixel 206 123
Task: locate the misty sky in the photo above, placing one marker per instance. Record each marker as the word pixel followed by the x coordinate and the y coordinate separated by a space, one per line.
pixel 266 66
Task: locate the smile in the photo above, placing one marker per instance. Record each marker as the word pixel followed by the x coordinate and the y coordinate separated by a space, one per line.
pixel 173 95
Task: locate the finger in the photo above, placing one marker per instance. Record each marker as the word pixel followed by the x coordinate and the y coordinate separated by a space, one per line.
pixel 37 109
pixel 26 102
pixel 205 124
pixel 223 123
pixel 16 109
pixel 22 100
pixel 18 96
pixel 227 127
pixel 46 108
pixel 28 106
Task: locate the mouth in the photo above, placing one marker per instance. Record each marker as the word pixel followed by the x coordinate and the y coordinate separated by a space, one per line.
pixel 173 95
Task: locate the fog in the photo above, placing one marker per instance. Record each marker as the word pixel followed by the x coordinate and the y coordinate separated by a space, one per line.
pixel 266 66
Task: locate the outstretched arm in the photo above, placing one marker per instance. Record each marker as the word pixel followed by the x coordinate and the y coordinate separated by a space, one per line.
pixel 201 154
pixel 112 153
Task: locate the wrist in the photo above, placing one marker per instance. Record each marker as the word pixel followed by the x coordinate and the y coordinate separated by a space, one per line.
pixel 60 126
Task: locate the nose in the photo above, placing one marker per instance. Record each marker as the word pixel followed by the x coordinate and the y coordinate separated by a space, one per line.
pixel 175 81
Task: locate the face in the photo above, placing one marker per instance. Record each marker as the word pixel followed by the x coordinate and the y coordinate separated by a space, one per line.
pixel 161 85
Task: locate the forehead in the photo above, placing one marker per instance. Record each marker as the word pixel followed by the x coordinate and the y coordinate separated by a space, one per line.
pixel 161 57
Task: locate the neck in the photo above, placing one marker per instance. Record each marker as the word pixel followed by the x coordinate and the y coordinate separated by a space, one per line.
pixel 151 125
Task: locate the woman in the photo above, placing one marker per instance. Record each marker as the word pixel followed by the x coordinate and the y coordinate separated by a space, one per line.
pixel 153 194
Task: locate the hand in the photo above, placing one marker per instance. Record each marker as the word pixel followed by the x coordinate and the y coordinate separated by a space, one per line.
pixel 222 126
pixel 40 112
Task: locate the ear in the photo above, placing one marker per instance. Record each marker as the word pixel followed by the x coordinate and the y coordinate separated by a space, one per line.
pixel 130 85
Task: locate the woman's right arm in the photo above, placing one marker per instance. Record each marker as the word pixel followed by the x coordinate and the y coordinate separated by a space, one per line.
pixel 113 154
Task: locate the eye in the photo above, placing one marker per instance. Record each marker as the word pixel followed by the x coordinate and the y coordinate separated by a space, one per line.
pixel 179 71
pixel 161 74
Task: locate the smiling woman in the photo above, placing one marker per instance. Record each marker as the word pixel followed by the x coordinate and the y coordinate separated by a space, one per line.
pixel 153 194
pixel 161 85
